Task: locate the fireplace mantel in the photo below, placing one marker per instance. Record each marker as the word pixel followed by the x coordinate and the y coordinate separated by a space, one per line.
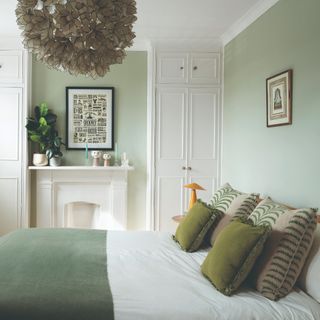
pixel 67 193
pixel 81 168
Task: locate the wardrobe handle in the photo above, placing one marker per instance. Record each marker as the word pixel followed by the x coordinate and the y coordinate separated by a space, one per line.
pixel 184 168
pixel 195 68
pixel 181 68
pixel 189 168
pixel 0 66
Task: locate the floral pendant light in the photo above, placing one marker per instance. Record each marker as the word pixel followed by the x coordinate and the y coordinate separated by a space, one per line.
pixel 79 36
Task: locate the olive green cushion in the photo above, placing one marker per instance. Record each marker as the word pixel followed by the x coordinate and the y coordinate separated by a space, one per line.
pixel 192 229
pixel 233 255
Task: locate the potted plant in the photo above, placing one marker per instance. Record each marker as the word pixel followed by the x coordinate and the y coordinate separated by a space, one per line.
pixel 53 152
pixel 41 131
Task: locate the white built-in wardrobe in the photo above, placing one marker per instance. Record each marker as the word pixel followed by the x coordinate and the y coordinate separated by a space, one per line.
pixel 13 142
pixel 187 133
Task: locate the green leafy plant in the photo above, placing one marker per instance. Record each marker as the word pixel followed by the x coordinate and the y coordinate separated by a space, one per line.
pixel 41 130
pixel 55 143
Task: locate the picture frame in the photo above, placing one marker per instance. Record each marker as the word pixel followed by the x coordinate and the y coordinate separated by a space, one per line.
pixel 90 118
pixel 279 99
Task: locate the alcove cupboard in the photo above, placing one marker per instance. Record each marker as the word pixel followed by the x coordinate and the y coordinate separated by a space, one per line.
pixel 187 133
pixel 13 143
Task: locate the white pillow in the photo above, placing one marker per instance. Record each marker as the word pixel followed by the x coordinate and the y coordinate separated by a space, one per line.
pixel 309 279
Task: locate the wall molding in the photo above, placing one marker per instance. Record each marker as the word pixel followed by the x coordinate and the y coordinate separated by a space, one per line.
pixel 247 19
pixel 177 44
pixel 150 223
pixel 139 45
pixel 11 42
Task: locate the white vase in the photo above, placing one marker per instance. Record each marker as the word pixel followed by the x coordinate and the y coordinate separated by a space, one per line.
pixel 55 161
pixel 40 159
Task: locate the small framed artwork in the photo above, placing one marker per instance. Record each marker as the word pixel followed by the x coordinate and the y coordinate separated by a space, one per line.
pixel 279 99
pixel 90 115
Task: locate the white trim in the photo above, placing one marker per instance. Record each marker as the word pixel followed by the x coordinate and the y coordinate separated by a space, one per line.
pixel 150 223
pixel 194 44
pixel 25 176
pixel 219 182
pixel 81 168
pixel 248 18
pixel 13 42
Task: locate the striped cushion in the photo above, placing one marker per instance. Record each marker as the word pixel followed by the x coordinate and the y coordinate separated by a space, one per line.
pixel 234 204
pixel 309 278
pixel 286 249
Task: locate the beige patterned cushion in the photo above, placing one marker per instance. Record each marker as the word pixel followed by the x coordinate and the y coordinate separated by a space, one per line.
pixel 286 249
pixel 309 278
pixel 234 204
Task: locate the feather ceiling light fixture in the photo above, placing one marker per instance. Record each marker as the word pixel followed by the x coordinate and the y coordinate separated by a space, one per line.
pixel 79 36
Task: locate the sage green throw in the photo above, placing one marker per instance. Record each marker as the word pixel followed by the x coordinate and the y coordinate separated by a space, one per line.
pixel 54 274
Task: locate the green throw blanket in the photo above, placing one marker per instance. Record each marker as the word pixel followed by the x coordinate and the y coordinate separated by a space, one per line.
pixel 54 274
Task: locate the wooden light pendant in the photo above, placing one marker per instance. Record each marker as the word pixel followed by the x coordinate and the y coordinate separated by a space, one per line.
pixel 79 36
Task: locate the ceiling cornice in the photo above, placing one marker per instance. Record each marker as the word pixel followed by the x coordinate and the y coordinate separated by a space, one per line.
pixel 11 42
pixel 253 14
pixel 177 44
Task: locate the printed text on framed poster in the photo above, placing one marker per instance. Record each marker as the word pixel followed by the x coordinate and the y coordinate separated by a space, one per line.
pixel 90 117
pixel 279 104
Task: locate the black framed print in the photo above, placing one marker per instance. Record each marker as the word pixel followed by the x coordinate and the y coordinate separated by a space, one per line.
pixel 90 115
pixel 279 101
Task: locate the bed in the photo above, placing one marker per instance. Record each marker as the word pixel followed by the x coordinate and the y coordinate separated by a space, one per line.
pixel 143 275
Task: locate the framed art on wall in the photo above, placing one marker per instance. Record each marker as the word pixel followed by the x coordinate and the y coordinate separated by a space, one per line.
pixel 279 101
pixel 90 114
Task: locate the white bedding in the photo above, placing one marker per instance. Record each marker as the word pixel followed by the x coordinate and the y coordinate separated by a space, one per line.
pixel 152 278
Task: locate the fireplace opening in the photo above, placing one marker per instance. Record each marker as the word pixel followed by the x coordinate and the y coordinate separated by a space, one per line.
pixel 81 215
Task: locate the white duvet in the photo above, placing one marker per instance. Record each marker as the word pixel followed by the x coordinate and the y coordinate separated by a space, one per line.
pixel 152 278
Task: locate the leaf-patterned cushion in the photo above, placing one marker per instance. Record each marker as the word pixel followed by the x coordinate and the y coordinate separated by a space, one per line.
pixel 286 249
pixel 234 204
pixel 309 278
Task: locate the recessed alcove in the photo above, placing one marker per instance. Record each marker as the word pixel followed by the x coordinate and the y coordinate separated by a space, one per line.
pixel 81 215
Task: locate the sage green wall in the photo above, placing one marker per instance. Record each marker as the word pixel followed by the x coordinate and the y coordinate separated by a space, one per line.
pixel 130 82
pixel 282 162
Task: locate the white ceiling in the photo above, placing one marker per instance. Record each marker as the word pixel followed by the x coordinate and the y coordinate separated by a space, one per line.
pixel 173 19
pixel 8 24
pixel 188 18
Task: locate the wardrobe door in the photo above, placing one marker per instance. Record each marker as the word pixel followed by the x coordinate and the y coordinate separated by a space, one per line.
pixel 203 122
pixel 172 68
pixel 11 70
pixel 10 158
pixel 170 163
pixel 204 68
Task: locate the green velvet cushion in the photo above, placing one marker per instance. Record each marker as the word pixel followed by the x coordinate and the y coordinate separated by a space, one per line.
pixel 233 254
pixel 192 229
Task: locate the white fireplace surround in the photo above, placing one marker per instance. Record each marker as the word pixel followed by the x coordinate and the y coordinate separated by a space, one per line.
pixel 81 197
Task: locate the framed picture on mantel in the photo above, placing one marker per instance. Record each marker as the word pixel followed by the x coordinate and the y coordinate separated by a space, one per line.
pixel 279 99
pixel 90 115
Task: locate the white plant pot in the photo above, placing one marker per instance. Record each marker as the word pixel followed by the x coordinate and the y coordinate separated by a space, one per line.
pixel 55 161
pixel 40 159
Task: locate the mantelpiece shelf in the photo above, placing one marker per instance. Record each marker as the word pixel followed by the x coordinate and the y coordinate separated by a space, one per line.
pixel 82 168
